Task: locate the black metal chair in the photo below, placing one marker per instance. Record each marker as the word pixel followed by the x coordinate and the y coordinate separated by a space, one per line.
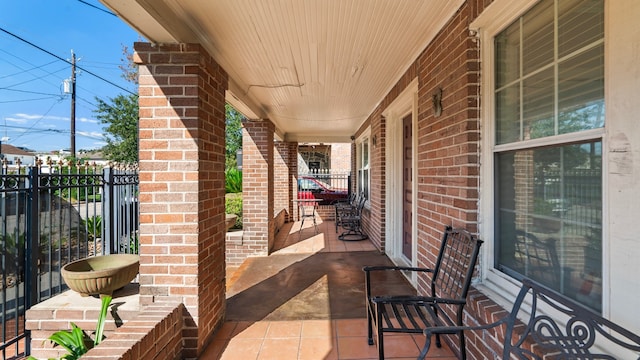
pixel 307 210
pixel 450 280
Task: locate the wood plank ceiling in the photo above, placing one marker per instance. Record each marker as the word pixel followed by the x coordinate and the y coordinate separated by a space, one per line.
pixel 316 68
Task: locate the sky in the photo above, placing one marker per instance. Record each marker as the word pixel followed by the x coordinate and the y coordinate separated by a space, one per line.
pixel 34 110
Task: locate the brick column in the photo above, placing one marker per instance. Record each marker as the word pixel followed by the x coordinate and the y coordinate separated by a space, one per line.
pixel 286 177
pixel 257 187
pixel 182 147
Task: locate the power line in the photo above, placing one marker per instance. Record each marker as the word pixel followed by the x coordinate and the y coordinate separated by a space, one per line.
pixel 31 131
pixel 65 60
pixel 25 70
pixel 42 117
pixel 34 79
pixel 31 92
pixel 98 8
pixel 34 67
pixel 24 100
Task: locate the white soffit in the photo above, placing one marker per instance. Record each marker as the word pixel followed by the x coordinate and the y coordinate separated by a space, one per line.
pixel 316 68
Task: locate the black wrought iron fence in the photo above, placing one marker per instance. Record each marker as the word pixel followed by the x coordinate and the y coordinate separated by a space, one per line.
pixel 53 215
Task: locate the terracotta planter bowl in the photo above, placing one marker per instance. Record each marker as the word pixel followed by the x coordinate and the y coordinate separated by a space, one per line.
pixel 101 275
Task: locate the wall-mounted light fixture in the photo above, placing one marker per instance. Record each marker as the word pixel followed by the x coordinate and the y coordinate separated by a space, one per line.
pixel 374 141
pixel 437 102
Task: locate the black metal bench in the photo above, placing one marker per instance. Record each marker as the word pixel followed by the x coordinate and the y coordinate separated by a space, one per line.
pixel 554 327
pixel 449 279
pixel 350 218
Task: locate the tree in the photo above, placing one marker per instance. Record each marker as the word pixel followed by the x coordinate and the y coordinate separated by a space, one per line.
pixel 120 114
pixel 233 135
pixel 121 117
pixel 129 67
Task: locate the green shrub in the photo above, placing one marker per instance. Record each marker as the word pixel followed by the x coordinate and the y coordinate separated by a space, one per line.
pixel 233 181
pixel 233 205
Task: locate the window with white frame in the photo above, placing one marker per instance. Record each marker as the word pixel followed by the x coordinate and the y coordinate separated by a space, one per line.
pixel 362 151
pixel 549 117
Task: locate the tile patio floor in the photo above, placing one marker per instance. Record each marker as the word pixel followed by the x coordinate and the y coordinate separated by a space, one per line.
pixel 305 302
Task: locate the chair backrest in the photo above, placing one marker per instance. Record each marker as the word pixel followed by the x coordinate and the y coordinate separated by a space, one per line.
pixel 455 264
pixel 556 327
pixel 361 202
pixel 353 196
pixel 537 259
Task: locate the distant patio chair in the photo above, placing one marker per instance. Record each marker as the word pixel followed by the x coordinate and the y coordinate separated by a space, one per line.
pixel 307 210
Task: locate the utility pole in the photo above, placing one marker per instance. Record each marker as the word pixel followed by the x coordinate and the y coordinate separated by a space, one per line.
pixel 73 104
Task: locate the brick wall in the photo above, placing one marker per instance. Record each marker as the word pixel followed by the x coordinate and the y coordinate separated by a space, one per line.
pixel 58 312
pixel 182 146
pixel 447 153
pixel 487 344
pixel 257 193
pixel 341 157
pixel 156 333
pixel 293 177
pixel 285 161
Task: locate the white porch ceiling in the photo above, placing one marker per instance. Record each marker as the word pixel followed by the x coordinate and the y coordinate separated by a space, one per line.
pixel 316 68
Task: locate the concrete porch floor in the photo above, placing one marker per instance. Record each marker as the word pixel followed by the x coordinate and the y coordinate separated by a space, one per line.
pixel 306 302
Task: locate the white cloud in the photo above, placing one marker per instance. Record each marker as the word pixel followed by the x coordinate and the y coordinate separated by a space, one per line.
pixel 26 117
pixel 23 118
pixel 90 134
pixel 16 120
pixel 86 120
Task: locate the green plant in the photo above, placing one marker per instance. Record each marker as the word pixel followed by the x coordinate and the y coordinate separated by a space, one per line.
pixel 76 341
pixel 133 245
pixel 233 136
pixel 233 181
pixel 13 245
pixel 95 197
pixel 233 205
pixel 94 226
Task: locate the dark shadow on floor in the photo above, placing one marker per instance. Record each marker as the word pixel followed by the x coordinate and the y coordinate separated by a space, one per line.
pixel 307 286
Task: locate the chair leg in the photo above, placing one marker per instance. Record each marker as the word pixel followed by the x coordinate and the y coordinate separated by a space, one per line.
pixel 425 348
pixel 300 230
pixel 369 325
pixel 380 337
pixel 463 351
pixel 380 344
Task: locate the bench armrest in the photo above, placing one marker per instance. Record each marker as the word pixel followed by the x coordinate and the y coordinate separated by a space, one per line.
pixel 395 268
pixel 406 299
pixel 369 269
pixel 441 330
